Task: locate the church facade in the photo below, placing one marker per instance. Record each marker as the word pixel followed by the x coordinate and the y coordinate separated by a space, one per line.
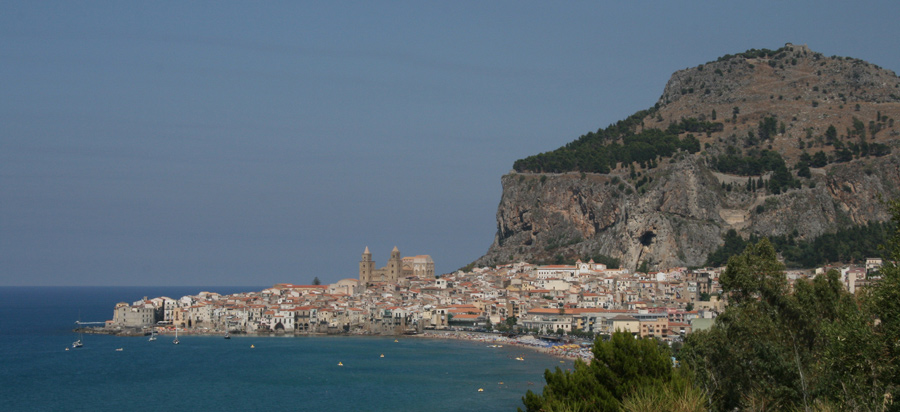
pixel 396 268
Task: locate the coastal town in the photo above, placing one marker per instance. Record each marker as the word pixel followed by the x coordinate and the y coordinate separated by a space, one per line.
pixel 405 297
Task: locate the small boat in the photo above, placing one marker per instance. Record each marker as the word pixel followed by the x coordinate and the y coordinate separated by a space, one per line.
pixel 382 355
pixel 152 336
pixel 340 363
pixel 77 344
pixel 480 389
pixel 176 337
pixel 119 349
pixel 252 346
pixel 227 336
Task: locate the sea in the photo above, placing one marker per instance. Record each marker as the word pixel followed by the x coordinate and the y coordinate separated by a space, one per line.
pixel 245 373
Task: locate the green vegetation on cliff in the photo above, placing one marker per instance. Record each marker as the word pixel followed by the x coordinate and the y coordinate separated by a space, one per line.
pixel 756 163
pixel 619 143
pixel 852 244
pixel 753 54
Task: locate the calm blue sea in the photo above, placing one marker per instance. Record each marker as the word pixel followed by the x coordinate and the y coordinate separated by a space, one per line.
pixel 211 373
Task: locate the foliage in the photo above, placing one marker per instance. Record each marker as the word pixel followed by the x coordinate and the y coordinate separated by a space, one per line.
pixel 734 244
pixel 803 170
pixel 883 303
pixel 752 54
pixel 819 159
pixel 644 267
pixel 813 347
pixel 851 244
pixel 694 126
pixel 316 281
pixel 768 128
pixel 579 333
pixel 761 348
pixel 621 366
pixel 601 151
pixel 757 163
pixel 674 397
pixel 831 134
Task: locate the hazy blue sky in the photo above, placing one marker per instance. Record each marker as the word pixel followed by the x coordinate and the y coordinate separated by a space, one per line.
pixel 223 143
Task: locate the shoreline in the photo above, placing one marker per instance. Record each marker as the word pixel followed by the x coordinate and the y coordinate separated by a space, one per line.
pixel 567 351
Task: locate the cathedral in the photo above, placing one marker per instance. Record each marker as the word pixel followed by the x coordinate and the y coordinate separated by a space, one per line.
pixel 420 266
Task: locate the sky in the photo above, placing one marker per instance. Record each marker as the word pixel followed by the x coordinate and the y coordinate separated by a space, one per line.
pixel 252 143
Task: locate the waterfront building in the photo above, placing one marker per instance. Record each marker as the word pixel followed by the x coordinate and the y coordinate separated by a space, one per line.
pixel 137 316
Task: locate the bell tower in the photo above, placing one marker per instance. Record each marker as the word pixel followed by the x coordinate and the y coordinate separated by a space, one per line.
pixel 366 267
pixel 395 265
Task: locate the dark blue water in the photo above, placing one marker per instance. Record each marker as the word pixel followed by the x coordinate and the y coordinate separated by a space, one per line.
pixel 211 373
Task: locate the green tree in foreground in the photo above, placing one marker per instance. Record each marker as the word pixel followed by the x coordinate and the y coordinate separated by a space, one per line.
pixel 816 346
pixel 622 366
pixel 881 303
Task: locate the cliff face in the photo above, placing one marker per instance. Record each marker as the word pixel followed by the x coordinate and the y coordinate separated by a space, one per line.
pixel 676 213
pixel 681 216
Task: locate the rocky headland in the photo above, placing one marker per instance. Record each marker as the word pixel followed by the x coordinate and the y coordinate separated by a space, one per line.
pixel 672 210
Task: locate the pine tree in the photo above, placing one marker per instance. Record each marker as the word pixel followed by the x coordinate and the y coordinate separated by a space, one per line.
pixel 621 366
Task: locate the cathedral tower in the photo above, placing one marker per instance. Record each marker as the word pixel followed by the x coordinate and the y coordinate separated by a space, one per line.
pixel 366 268
pixel 394 266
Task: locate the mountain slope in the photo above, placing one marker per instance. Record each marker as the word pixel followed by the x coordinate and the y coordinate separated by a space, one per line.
pixel 763 142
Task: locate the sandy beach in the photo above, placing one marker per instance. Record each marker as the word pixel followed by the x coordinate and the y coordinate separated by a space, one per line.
pixel 566 351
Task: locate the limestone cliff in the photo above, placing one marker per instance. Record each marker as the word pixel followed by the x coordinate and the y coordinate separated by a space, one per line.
pixel 675 212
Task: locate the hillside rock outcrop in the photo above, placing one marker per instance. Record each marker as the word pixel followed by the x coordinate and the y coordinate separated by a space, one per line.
pixel 675 213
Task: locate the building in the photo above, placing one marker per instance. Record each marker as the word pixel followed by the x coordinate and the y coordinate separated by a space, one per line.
pixel 873 264
pixel 134 316
pixel 624 323
pixel 346 286
pixel 564 271
pixel 548 320
pixel 655 328
pixel 421 266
